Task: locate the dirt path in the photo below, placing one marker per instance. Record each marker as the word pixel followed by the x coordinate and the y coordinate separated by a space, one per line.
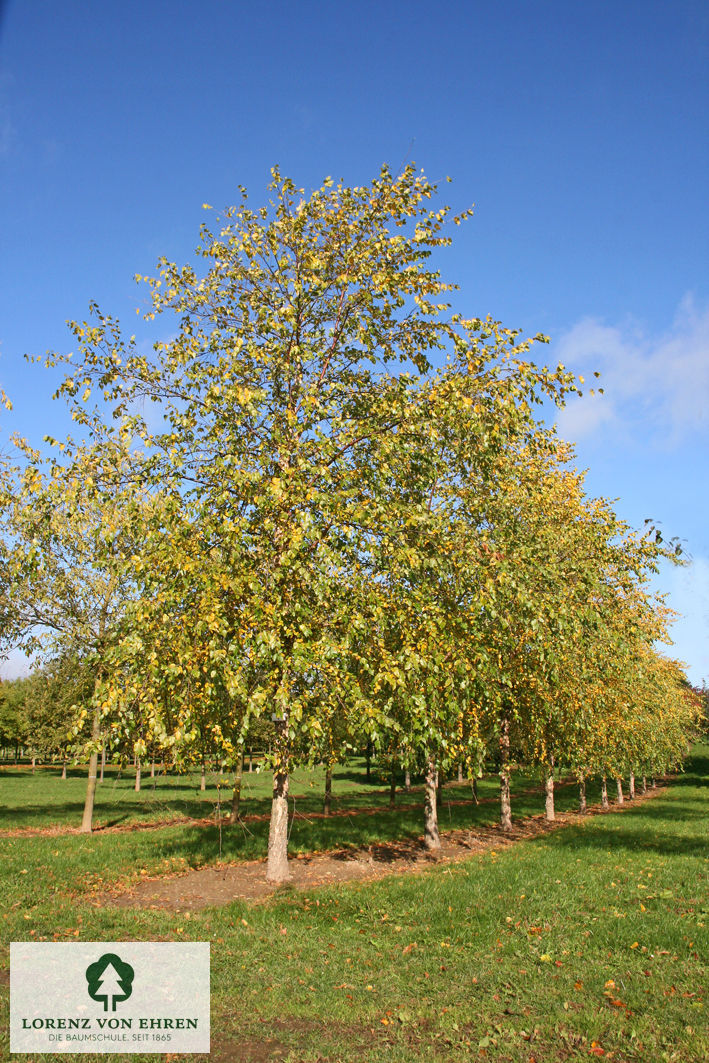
pixel 246 880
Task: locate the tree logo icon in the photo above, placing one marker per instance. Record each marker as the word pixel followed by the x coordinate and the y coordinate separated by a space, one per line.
pixel 110 980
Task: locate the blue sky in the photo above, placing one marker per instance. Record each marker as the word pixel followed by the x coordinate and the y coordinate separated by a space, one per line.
pixel 578 131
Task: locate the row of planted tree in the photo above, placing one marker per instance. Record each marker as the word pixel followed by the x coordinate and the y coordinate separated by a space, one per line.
pixel 330 505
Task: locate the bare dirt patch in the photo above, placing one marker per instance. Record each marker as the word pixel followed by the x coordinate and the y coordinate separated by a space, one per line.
pixel 221 884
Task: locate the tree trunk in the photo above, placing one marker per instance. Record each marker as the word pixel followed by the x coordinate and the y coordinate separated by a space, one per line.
pixel 431 838
pixel 327 803
pixel 644 784
pixel 407 780
pixel 476 799
pixel 549 793
pixel 277 869
pixel 88 815
pixel 103 762
pixel 137 775
pixel 619 784
pixel 64 768
pixel 368 755
pixel 654 784
pixel 34 761
pixel 505 803
pixel 631 787
pixel 251 760
pixel 460 773
pixel 582 795
pixel 392 790
pixel 203 778
pixel 152 769
pixel 236 796
pixel 604 793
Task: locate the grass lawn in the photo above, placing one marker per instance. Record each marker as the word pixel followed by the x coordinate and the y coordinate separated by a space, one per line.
pixel 587 942
pixel 43 798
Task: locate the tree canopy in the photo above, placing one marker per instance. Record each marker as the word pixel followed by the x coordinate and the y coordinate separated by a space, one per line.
pixel 329 503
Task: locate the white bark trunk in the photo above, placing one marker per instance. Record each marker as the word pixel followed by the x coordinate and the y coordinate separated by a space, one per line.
pixel 505 802
pixel 277 869
pixel 87 818
pixel 431 837
pixel 604 793
pixel 549 795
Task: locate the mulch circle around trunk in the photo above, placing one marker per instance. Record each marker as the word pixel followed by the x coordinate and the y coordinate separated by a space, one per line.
pixel 222 884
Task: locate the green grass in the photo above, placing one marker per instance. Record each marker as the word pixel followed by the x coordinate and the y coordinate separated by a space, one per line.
pixel 507 956
pixel 44 799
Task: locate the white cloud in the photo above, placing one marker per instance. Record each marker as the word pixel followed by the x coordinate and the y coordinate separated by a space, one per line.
pixel 656 387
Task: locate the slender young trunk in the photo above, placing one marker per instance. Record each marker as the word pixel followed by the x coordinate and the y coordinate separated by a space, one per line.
pixel 392 790
pixel 152 769
pixel 203 778
pixel 460 773
pixel 368 755
pixel 505 803
pixel 137 775
pixel 64 768
pixel 88 815
pixel 327 803
pixel 34 760
pixel 236 796
pixel 619 784
pixel 604 793
pixel 277 869
pixel 476 799
pixel 103 763
pixel 431 838
pixel 654 784
pixel 251 760
pixel 407 780
pixel 549 792
pixel 644 784
pixel 582 795
pixel 631 786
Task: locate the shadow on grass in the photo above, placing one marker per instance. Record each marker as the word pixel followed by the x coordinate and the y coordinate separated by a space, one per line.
pixel 615 838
